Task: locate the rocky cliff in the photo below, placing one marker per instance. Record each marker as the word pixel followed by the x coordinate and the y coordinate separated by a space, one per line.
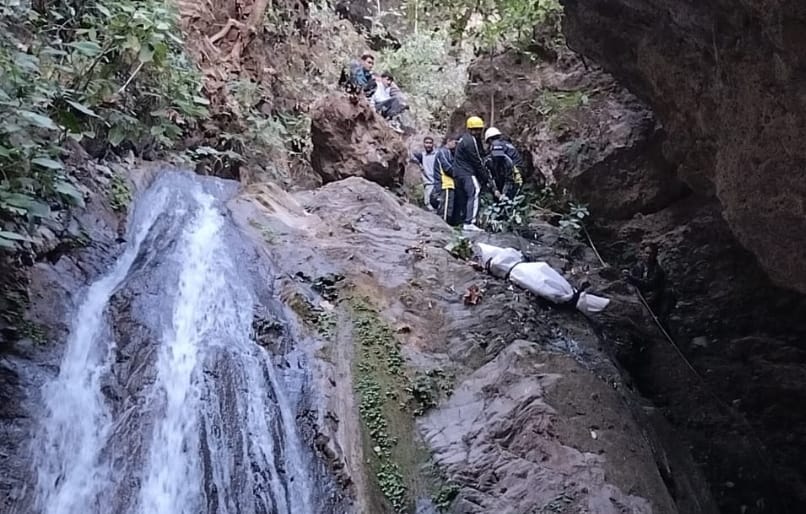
pixel 726 80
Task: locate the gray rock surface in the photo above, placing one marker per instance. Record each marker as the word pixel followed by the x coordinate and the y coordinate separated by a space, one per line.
pixel 724 78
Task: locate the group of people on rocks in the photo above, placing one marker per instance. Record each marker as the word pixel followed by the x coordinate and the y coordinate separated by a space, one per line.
pixel 455 174
pixel 381 89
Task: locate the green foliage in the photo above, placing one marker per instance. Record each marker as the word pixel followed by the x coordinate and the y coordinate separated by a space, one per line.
pixel 492 24
pixel 460 247
pixel 111 73
pixel 572 220
pixel 507 215
pixel 379 383
pixel 426 388
pixel 445 495
pixel 430 74
pixel 514 215
pixel 509 22
pixel 269 141
pixel 120 193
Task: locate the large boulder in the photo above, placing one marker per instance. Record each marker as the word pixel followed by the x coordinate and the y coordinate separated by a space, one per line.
pixel 351 140
pixel 725 79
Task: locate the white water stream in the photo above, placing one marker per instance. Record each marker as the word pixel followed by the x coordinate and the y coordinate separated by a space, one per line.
pixel 221 435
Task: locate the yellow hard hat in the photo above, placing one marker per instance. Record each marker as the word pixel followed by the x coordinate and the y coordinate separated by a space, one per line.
pixel 474 122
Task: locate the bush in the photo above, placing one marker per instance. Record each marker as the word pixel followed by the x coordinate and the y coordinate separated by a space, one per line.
pixel 110 75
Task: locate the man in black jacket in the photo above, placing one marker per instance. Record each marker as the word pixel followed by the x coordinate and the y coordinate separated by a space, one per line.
pixel 467 166
pixel 504 162
pixel 648 276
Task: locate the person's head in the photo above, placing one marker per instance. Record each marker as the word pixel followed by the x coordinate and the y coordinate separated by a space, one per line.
pixel 649 251
pixel 491 134
pixel 368 61
pixel 475 126
pixel 387 78
pixel 449 141
pixel 428 143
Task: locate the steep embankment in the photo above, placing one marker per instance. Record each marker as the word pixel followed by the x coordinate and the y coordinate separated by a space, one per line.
pixel 726 80
pixel 742 334
pixel 523 410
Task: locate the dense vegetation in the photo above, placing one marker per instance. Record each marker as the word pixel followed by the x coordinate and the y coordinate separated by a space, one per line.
pixel 107 76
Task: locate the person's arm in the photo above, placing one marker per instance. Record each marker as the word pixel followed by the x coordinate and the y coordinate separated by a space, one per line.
pixel 515 155
pixel 360 77
pixel 478 162
pixel 417 158
pixel 445 163
pixel 654 277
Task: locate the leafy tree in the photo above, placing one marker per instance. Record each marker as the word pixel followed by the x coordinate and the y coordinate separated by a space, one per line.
pixel 491 23
pixel 106 74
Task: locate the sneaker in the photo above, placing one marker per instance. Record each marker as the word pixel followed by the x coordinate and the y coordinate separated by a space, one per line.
pixel 469 227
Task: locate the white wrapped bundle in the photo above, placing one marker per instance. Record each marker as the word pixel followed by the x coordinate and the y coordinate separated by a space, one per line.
pixel 536 277
pixel 498 261
pixel 591 304
pixel 542 280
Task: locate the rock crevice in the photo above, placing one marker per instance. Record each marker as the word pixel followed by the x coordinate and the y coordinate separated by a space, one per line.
pixel 726 80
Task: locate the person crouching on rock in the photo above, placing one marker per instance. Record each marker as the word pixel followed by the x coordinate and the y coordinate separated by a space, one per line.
pixel 358 78
pixel 426 160
pixel 467 165
pixel 443 195
pixel 395 103
pixel 504 163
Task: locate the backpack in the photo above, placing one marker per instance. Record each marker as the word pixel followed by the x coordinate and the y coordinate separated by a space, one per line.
pixel 500 163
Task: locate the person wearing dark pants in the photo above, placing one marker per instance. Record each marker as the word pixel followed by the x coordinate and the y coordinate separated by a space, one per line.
pixel 468 164
pixel 443 195
pixel 504 163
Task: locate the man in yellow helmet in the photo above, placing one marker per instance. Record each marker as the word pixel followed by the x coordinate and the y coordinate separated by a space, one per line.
pixel 468 165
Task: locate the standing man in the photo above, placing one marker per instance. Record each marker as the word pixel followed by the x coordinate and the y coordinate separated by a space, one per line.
pixel 426 160
pixel 468 164
pixel 648 276
pixel 442 197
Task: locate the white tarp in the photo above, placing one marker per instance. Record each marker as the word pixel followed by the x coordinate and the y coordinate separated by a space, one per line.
pixel 537 277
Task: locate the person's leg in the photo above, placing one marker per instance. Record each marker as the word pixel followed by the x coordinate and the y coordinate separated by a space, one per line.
pixel 427 189
pixel 447 206
pixel 467 187
pixel 475 196
pixel 382 107
pixel 434 200
pixel 395 108
pixel 460 200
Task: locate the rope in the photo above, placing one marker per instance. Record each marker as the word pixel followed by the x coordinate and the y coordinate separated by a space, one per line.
pixel 727 408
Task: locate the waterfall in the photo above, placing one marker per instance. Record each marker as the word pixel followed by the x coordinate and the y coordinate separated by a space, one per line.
pixel 215 425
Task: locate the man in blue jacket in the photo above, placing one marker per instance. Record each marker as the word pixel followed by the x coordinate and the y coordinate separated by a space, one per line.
pixel 504 163
pixel 358 76
pixel 443 195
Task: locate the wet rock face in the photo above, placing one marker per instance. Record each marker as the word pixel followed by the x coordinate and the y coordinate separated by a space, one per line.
pixel 351 140
pixel 578 127
pixel 725 79
pixel 743 336
pixel 504 408
pixel 539 419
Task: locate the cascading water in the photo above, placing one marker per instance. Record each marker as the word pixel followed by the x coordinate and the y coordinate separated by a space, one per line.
pixel 205 422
